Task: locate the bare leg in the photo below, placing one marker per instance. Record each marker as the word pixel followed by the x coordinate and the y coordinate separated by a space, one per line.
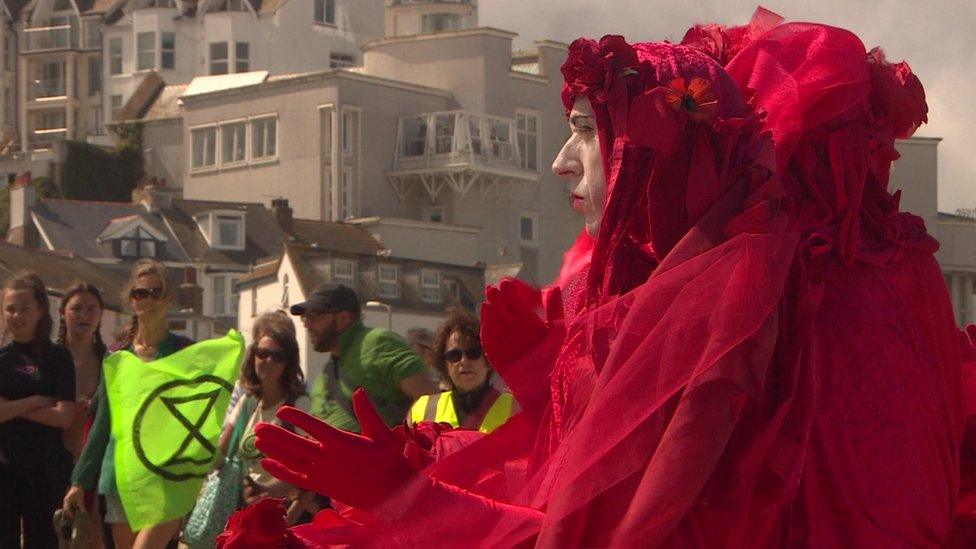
pixel 122 535
pixel 156 537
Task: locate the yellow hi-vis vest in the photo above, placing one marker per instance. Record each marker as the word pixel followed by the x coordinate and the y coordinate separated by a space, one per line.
pixel 440 408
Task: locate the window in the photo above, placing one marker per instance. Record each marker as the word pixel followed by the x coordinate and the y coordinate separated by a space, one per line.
pixel 528 141
pixel 444 133
pixel 433 214
pixel 146 46
pixel 218 58
pixel 93 34
pixel 95 120
pixel 414 136
pixel 345 194
pixel 438 22
pixel 138 243
pixel 341 60
pixel 52 79
pixel 167 50
pixel 94 75
pixel 233 143
pixel 204 144
pixel 344 272
pixel 115 102
pixel 264 138
pixel 430 286
pixel 348 130
pixel 325 12
pixel 220 295
pixel 52 120
pixel 500 139
pixel 230 231
pixel 234 5
pixel 529 228
pixel 242 57
pixel 115 56
pixel 474 131
pixel 223 229
pixel 388 281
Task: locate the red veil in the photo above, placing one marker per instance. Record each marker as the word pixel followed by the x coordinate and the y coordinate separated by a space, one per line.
pixel 815 305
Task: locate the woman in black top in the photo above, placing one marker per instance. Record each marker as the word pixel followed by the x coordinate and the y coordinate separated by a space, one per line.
pixel 37 393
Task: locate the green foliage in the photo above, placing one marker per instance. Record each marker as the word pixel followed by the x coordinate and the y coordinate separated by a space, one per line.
pixel 45 188
pixel 91 172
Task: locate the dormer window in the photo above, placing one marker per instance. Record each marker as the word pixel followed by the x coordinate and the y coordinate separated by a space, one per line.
pixel 138 243
pixel 223 229
pixel 344 272
pixel 132 237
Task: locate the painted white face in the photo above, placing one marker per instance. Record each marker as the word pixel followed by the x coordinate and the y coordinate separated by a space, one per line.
pixel 581 165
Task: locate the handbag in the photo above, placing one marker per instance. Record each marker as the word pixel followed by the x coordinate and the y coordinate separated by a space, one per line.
pixel 221 493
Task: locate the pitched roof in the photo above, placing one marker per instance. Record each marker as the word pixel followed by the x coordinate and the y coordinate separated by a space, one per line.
pixel 143 98
pixel 337 237
pixel 166 104
pixel 74 226
pixel 61 270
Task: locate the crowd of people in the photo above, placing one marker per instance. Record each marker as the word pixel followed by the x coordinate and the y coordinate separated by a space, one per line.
pixel 57 449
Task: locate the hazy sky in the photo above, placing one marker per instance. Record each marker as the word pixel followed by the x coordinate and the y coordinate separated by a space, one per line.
pixel 936 37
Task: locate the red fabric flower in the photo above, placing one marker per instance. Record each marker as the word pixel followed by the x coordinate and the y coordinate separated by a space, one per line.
pixel 658 117
pixel 419 442
pixel 593 69
pixel 259 526
pixel 897 95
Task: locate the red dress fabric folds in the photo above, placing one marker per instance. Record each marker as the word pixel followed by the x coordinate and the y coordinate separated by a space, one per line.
pixel 758 350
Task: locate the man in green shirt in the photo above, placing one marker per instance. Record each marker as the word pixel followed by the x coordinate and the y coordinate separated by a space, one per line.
pixel 375 359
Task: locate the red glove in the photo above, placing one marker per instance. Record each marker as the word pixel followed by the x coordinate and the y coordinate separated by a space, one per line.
pixel 513 320
pixel 358 470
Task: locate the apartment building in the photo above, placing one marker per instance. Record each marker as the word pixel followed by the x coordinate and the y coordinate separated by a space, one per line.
pixel 439 145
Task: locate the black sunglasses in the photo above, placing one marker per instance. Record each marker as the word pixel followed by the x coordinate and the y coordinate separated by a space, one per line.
pixel 454 355
pixel 143 293
pixel 265 354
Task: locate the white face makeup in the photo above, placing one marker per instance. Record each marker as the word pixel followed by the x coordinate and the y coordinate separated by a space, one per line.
pixel 581 165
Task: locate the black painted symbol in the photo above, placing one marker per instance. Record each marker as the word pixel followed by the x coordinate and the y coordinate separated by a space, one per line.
pixel 180 406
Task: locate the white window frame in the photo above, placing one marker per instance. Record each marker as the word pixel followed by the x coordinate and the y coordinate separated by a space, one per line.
pixel 338 60
pixel 255 138
pixel 163 51
pixel 430 291
pixel 385 283
pixel 116 60
pixel 151 53
pixel 227 303
pixel 237 57
pixel 207 222
pixel 348 280
pixel 534 239
pixel 225 60
pixel 229 125
pixel 204 167
pixel 521 134
pixel 325 5
pixel 115 106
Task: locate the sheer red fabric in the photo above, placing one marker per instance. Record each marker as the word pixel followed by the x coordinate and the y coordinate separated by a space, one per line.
pixel 750 359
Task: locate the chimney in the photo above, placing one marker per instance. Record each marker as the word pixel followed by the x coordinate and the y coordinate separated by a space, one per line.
pixel 23 198
pixel 283 214
pixel 189 295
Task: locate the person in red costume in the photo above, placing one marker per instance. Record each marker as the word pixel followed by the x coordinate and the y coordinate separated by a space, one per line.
pixel 757 351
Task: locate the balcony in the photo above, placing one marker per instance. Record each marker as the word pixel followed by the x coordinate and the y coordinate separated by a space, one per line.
pixel 457 149
pixel 46 88
pixel 84 35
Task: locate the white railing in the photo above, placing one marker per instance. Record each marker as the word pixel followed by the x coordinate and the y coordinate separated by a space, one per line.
pixel 85 35
pixel 456 137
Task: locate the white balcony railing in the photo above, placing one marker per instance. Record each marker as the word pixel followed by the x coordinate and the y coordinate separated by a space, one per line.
pixel 74 35
pixel 47 88
pixel 442 139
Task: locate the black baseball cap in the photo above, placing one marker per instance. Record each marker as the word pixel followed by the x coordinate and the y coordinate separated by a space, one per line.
pixel 329 297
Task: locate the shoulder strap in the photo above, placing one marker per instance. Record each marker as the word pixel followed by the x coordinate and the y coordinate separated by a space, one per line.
pixel 247 408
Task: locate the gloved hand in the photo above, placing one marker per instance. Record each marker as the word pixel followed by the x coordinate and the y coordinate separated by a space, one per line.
pixel 515 318
pixel 358 470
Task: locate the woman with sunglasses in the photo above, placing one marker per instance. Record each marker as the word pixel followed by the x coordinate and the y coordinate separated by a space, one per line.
pixel 272 377
pixel 148 295
pixel 472 402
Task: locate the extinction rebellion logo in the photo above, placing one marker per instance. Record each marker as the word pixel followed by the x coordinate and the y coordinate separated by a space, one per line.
pixel 182 408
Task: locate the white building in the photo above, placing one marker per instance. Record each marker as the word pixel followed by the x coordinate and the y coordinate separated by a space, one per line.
pixel 445 134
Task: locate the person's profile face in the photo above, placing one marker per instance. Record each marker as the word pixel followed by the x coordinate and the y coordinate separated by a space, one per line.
pixel 580 164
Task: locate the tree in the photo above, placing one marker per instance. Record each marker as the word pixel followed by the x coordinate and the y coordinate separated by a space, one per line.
pixel 90 172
